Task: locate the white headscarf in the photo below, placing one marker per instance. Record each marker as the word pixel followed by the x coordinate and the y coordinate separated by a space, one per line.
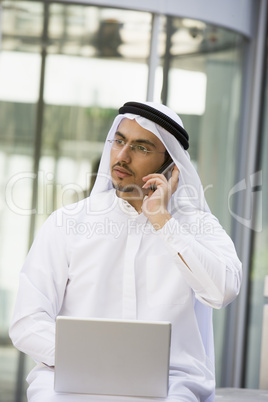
pixel 189 196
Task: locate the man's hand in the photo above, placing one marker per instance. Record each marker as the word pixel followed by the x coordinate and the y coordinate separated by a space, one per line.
pixel 155 203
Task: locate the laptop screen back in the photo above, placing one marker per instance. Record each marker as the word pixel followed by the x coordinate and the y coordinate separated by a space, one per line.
pixel 112 357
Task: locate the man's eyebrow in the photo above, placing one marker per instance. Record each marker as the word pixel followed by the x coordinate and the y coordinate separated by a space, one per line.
pixel 140 141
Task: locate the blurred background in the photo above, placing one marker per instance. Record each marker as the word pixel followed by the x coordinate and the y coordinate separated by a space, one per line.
pixel 65 69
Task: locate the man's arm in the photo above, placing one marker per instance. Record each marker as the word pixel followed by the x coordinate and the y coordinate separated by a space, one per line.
pixel 41 290
pixel 207 258
pixel 208 261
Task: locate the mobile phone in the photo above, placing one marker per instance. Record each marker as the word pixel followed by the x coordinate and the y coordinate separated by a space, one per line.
pixel 166 169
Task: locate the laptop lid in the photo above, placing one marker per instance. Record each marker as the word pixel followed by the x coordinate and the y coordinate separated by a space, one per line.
pixel 112 357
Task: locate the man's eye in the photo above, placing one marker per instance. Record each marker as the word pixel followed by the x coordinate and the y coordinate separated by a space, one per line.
pixel 119 142
pixel 141 148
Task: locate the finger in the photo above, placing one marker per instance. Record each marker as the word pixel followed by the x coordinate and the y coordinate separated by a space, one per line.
pixel 175 174
pixel 176 170
pixel 155 181
pixel 153 175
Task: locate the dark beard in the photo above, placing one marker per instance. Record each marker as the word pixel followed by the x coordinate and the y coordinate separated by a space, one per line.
pixel 123 189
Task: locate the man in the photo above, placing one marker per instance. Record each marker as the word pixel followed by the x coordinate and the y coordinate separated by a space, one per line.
pixel 140 247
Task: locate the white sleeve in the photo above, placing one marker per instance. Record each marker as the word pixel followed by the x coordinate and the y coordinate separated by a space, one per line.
pixel 41 290
pixel 209 261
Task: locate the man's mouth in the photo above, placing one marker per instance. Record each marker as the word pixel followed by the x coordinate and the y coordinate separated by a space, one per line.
pixel 122 172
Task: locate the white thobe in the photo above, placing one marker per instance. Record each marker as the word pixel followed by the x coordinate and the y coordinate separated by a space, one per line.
pixel 100 258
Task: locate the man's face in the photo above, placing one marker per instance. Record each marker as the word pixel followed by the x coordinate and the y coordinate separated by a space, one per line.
pixel 129 167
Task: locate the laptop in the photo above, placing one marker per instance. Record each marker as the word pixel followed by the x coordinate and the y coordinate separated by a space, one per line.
pixel 112 357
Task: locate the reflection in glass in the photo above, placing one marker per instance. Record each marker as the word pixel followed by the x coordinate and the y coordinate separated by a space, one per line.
pixel 20 64
pixel 22 23
pixel 92 67
pixel 201 70
pixel 99 32
pixel 259 262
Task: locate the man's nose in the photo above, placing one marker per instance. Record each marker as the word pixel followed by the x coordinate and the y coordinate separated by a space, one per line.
pixel 125 153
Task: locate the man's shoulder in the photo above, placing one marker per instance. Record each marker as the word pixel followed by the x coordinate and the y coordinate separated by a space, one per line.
pixel 94 205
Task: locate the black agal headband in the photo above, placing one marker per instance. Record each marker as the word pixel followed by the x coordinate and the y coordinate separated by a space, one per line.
pixel 159 118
